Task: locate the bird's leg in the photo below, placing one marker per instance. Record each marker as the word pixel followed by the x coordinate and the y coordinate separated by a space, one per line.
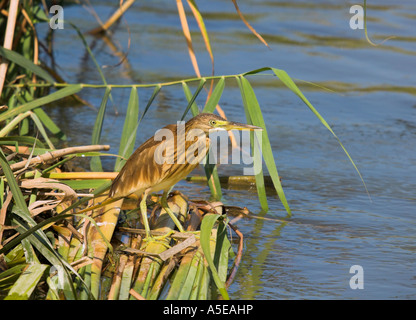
pixel 164 203
pixel 143 210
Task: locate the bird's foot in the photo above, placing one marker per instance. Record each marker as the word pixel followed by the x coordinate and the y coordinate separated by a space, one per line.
pixel 163 237
pixel 149 238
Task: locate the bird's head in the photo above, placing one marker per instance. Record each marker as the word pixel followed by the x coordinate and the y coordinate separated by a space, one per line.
pixel 209 121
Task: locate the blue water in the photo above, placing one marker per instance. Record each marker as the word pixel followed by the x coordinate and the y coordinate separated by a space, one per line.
pixel 371 108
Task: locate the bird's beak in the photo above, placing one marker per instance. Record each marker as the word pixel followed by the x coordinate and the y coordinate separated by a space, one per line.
pixel 231 125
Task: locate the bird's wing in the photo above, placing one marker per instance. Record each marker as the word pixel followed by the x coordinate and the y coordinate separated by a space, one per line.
pixel 140 171
pixel 157 165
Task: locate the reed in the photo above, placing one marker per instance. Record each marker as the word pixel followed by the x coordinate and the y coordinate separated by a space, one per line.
pixel 49 247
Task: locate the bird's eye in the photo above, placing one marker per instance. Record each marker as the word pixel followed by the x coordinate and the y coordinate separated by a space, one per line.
pixel 212 122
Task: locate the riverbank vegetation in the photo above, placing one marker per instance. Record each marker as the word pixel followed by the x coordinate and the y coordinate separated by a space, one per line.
pixel 45 243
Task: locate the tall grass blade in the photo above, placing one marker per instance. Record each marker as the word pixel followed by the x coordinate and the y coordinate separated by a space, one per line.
pixel 13 185
pixel 196 286
pixel 215 96
pixel 26 141
pixel 87 47
pixel 152 98
pixel 24 286
pixel 25 63
pixel 257 119
pixel 13 123
pixel 62 93
pixel 46 120
pixel 188 95
pixel 95 163
pixel 36 237
pixel 128 136
pixel 213 179
pixel 248 25
pixel 1 199
pixel 132 137
pixel 287 80
pixel 191 101
pixel 203 292
pixel 187 34
pixel 41 129
pixel 49 124
pixel 211 169
pixel 126 280
pixel 10 276
pixel 202 28
pixel 206 227
pixel 257 159
pixel 46 249
pixel 222 248
pixel 191 277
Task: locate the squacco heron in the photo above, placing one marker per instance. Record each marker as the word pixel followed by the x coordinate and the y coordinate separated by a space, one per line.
pixel 145 173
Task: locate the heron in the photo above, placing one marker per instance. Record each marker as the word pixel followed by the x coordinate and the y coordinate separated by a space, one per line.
pixel 144 173
pixel 157 165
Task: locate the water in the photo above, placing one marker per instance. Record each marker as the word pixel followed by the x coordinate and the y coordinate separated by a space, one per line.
pixel 334 225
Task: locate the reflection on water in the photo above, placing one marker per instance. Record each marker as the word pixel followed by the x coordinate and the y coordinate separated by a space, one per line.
pixel 370 105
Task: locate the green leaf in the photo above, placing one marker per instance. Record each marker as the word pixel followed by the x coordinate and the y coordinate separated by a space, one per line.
pixel 57 164
pixel 211 171
pixel 87 47
pixel 128 136
pixel 1 193
pixel 126 280
pixel 152 98
pixel 14 187
pixel 215 96
pixel 257 120
pixel 25 64
pixel 203 29
pixel 188 95
pixel 49 124
pixel 24 126
pixel 24 286
pixel 43 117
pixel 95 163
pixel 213 179
pixel 206 227
pixel 36 237
pixel 10 276
pixel 65 92
pixel 192 100
pixel 41 129
pixel 154 94
pixel 257 158
pixel 27 141
pixel 132 138
pixel 197 285
pixel 191 276
pixel 222 247
pixel 287 80
pixel 84 184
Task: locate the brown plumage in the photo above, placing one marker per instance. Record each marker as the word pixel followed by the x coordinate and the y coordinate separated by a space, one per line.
pixel 141 172
pixel 185 145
